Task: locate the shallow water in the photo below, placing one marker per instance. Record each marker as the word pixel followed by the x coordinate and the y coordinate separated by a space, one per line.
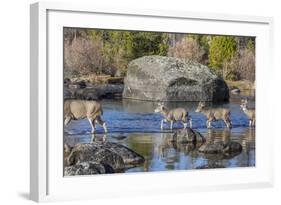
pixel 135 125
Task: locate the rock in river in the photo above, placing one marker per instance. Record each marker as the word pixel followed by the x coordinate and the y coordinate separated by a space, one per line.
pixel 220 148
pixel 187 135
pixel 159 78
pixel 88 168
pixel 94 92
pixel 100 157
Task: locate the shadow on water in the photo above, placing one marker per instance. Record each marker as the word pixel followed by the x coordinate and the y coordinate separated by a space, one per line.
pixel 135 125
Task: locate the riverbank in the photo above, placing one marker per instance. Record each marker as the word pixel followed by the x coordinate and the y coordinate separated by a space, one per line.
pixel 95 87
pixel 242 85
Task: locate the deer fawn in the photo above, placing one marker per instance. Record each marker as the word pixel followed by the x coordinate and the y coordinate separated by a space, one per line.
pixel 177 114
pixel 80 109
pixel 214 114
pixel 251 113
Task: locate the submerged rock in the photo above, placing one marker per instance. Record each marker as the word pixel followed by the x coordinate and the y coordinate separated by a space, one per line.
pixel 113 155
pixel 119 137
pixel 159 78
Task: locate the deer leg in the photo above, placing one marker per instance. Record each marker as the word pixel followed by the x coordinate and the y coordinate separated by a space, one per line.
pixel 250 123
pixel 184 125
pixel 171 125
pixel 93 137
pixel 190 122
pixel 92 123
pixel 162 123
pixel 102 123
pixel 184 122
pixel 228 123
pixel 209 126
pixel 104 137
pixel 67 120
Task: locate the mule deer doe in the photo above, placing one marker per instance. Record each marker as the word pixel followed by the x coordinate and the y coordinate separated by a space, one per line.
pixel 251 113
pixel 215 114
pixel 80 109
pixel 177 114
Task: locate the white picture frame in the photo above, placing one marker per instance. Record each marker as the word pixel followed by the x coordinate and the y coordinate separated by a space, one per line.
pixel 46 144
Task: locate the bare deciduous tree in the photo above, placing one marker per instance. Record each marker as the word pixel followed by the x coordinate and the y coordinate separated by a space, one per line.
pixel 240 66
pixel 247 64
pixel 83 55
pixel 187 48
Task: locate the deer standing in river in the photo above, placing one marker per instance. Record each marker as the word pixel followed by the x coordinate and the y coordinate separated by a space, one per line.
pixel 251 113
pixel 173 115
pixel 214 114
pixel 80 109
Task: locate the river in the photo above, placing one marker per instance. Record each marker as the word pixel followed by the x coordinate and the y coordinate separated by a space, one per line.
pixel 135 125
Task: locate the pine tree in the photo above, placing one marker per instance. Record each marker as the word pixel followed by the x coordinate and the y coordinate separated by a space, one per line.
pixel 222 49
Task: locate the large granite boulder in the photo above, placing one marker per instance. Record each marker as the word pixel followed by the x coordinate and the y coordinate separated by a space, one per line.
pixel 159 78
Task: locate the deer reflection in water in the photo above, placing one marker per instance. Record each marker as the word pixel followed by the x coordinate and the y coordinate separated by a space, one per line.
pixel 218 136
pixel 95 137
pixel 169 145
pixel 182 141
pixel 248 144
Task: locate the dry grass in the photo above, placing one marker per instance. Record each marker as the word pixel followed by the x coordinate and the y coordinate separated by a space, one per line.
pixel 241 84
pixel 83 55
